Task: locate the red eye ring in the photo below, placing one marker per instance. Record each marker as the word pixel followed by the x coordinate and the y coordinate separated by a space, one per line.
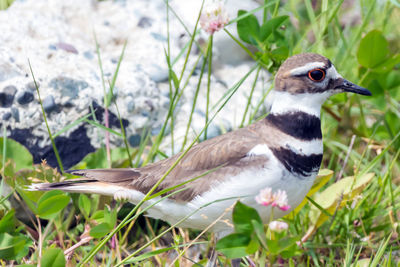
pixel 316 75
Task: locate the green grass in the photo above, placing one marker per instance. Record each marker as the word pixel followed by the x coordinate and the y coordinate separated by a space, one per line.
pixel 360 228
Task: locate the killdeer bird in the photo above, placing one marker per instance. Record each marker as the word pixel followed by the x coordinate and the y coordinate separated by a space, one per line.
pixel 282 151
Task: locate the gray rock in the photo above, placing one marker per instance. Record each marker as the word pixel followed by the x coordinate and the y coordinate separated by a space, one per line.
pixel 7 72
pixel 130 106
pixel 145 113
pixel 165 103
pixel 7 96
pixel 7 116
pixel 157 130
pixel 68 104
pixel 24 97
pixel 49 104
pixel 68 86
pixel 134 140
pixel 15 113
pixel 145 22
pixel 88 55
pixel 67 47
pixel 159 37
pixel 31 86
pixel 158 74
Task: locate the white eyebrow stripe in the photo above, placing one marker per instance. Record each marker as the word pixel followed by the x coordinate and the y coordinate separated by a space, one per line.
pixel 332 73
pixel 306 68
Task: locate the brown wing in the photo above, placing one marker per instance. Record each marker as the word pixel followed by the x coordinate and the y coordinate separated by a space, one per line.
pixel 227 153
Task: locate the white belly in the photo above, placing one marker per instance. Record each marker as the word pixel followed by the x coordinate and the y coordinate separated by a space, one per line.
pixel 208 207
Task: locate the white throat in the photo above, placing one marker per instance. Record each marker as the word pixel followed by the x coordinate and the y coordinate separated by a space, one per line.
pixel 310 103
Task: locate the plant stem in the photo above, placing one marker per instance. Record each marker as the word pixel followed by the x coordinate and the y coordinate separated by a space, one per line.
pixel 209 56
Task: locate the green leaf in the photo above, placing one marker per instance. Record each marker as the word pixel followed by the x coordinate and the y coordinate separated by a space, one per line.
pixel 7 223
pixel 280 53
pixel 253 245
pixel 373 49
pixel 242 217
pixel 270 26
pixel 100 230
pixel 110 216
pixel 18 153
pixel 290 252
pixel 84 205
pixel 259 231
pixel 234 245
pixel 286 242
pixel 98 215
pixel 248 28
pixel 51 203
pixel 10 246
pixel 388 64
pixel 273 246
pixel 53 257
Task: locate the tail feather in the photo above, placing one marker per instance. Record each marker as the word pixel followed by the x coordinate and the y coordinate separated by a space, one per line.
pixel 64 185
pixel 79 186
pixel 97 181
pixel 118 176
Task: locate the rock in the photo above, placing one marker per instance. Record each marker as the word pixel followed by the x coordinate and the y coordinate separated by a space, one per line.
pixel 130 106
pixel 49 104
pixel 24 97
pixel 31 86
pixel 72 149
pixel 158 74
pixel 88 55
pixel 67 47
pixel 134 140
pixel 159 37
pixel 15 113
pixel 7 96
pixel 7 71
pixel 68 104
pixel 68 86
pixel 7 116
pixel 145 22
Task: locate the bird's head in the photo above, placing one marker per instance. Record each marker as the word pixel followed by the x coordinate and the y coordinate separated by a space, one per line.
pixel 306 80
pixel 313 73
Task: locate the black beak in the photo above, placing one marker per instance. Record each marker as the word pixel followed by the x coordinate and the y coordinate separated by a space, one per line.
pixel 351 87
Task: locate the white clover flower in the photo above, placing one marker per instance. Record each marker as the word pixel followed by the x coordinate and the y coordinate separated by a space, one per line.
pixel 278 226
pixel 278 199
pixel 281 200
pixel 265 197
pixel 214 17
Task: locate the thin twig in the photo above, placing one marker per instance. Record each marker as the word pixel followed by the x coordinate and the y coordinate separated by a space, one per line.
pixel 39 241
pixel 85 238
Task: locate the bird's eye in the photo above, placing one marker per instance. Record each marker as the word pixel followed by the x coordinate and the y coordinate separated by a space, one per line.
pixel 316 75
